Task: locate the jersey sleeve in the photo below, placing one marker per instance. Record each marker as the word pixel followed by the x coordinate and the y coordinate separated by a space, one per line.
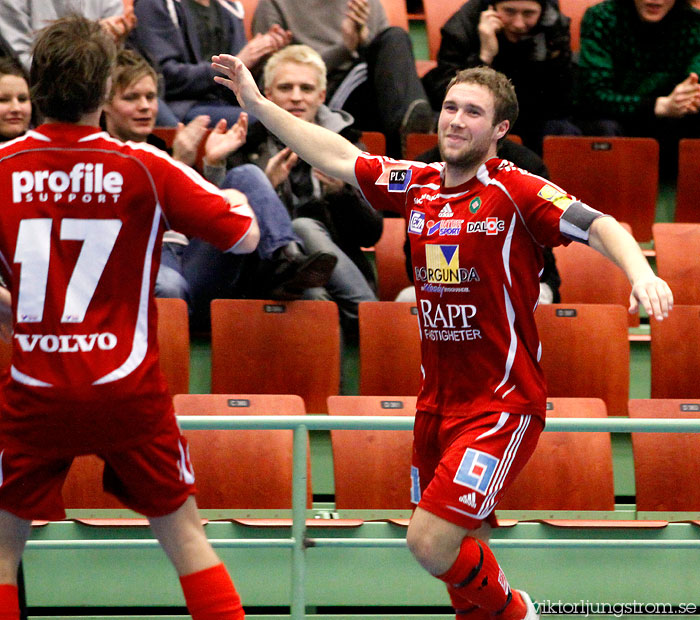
pixel 193 206
pixel 383 181
pixel 553 216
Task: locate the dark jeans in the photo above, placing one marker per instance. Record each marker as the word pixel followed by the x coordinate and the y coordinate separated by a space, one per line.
pixel 170 282
pixel 380 102
pixel 213 274
pixel 216 111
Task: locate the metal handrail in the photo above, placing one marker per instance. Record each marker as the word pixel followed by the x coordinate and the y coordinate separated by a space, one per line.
pixel 298 541
pixel 317 422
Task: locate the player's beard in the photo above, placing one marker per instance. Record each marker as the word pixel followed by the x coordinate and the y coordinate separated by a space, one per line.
pixel 469 157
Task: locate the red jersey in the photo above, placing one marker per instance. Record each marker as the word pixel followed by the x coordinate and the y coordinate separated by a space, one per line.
pixel 476 251
pixel 80 235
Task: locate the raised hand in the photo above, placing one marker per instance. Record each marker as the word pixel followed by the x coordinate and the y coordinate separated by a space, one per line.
pixel 279 166
pixel 222 142
pixel 117 27
pixel 264 44
pixel 188 138
pixel 237 78
pixel 354 25
pixel 683 100
pixel 490 25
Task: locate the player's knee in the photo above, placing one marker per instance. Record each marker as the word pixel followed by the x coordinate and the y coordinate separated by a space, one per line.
pixel 418 544
pixel 431 550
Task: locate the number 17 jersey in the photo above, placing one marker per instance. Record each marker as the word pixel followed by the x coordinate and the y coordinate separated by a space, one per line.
pixel 81 221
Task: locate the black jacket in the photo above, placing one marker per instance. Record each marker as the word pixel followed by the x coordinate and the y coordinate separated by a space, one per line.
pixel 539 66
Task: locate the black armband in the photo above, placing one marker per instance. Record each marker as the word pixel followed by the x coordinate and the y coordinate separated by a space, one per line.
pixel 575 222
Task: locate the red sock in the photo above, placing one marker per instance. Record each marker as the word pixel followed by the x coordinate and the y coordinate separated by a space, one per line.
pixel 9 602
pixel 476 579
pixel 211 595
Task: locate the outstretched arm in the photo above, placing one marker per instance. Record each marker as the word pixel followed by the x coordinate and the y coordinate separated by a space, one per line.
pixel 613 241
pixel 321 148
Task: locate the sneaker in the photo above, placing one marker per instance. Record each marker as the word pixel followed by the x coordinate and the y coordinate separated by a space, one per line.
pixel 293 275
pixel 419 118
pixel 531 613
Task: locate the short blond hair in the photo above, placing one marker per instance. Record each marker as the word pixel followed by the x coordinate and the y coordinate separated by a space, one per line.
pixel 300 54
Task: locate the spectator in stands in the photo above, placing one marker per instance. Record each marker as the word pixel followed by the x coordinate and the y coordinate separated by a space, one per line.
pixel 20 20
pixel 181 37
pixel 329 215
pixel 193 269
pixel 527 40
pixel 638 72
pixel 371 68
pixel 15 104
pixel 106 399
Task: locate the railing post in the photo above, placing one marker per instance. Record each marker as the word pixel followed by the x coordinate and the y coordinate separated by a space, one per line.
pixel 299 486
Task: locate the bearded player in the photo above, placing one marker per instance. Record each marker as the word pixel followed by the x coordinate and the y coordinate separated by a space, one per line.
pixel 477 225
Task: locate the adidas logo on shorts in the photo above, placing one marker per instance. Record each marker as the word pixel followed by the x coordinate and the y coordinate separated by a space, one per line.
pixel 469 499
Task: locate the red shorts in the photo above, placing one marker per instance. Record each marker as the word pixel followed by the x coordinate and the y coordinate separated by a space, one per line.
pixel 153 478
pixel 462 466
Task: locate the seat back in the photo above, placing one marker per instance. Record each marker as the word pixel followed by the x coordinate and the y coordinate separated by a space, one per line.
pixel 273 347
pixel 666 465
pixel 678 259
pixel 588 277
pixel 567 471
pixel 390 259
pixel 618 176
pixel 585 352
pixel 574 10
pixel 419 143
pixel 389 348
pixel 174 343
pixel 240 469
pixel 688 183
pixel 396 13
pixel 436 14
pixel 249 11
pixel 675 354
pixel 380 478
pixel 375 142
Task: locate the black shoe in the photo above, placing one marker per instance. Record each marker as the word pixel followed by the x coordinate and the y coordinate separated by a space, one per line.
pixel 419 118
pixel 293 275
